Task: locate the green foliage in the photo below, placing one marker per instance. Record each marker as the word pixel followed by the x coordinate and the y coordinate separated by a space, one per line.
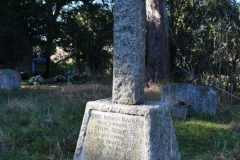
pixel 30 28
pixel 75 77
pixel 61 68
pixel 89 37
pixel 37 78
pixel 204 41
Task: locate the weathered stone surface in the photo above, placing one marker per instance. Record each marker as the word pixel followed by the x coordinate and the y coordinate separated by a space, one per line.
pixel 202 99
pixel 180 111
pixel 122 132
pixel 117 128
pixel 9 79
pixel 129 52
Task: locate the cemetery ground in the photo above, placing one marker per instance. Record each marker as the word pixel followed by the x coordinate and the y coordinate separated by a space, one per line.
pixel 43 123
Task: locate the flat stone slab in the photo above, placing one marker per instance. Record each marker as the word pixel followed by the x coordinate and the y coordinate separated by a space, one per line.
pixel 127 132
pixel 202 99
pixel 9 79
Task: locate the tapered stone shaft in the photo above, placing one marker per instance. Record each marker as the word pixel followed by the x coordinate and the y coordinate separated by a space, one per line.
pixel 129 51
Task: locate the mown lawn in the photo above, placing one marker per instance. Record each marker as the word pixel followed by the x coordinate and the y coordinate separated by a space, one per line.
pixel 42 123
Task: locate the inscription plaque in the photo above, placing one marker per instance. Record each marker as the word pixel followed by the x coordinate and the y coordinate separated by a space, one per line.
pixel 114 136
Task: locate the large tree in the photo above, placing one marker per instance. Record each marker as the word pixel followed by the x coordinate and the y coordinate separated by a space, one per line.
pixel 89 36
pixel 204 42
pixel 14 37
pixel 157 58
pixel 46 23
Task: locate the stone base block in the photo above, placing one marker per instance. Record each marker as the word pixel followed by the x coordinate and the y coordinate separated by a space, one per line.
pixel 181 111
pixel 127 132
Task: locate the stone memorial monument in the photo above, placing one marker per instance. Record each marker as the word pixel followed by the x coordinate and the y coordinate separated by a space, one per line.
pixel 125 127
pixel 9 79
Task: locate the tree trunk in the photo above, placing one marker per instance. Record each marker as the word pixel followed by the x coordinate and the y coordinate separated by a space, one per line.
pixel 47 55
pixel 158 65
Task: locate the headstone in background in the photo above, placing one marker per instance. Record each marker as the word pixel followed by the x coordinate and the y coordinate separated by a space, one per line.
pixel 25 71
pixel 201 99
pixel 9 79
pixel 39 66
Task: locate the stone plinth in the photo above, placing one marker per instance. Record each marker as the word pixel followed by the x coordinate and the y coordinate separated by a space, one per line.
pixel 123 132
pixel 129 52
pixel 9 79
pixel 201 99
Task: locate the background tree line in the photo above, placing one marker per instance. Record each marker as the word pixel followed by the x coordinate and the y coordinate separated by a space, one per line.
pixel 203 37
pixel 35 28
pixel 204 43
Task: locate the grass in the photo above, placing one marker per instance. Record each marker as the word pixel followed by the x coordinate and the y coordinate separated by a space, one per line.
pixel 23 112
pixel 42 123
pixel 204 137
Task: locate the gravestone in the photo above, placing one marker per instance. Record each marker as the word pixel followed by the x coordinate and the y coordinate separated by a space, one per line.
pixel 39 66
pixel 9 79
pixel 201 99
pixel 125 127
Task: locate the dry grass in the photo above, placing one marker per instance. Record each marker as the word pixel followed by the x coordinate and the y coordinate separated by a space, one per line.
pixel 229 155
pixel 153 92
pixel 17 104
pixel 86 92
pixel 99 91
pixel 89 91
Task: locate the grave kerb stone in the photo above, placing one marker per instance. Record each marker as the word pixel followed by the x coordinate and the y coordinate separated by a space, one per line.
pixel 202 99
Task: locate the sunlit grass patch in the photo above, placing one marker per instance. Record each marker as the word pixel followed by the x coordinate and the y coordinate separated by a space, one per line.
pixel 196 137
